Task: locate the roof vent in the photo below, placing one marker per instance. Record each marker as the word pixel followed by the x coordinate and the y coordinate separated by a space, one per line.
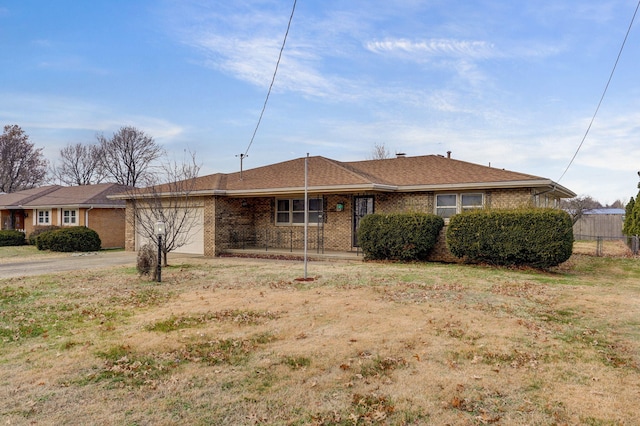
pixel 400 155
pixel 448 154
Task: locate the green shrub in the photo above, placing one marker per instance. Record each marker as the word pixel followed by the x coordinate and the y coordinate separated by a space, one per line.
pixel 33 236
pixel 406 236
pixel 77 238
pixel 11 238
pixel 534 237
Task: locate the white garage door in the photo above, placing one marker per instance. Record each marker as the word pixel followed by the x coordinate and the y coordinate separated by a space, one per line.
pixel 194 235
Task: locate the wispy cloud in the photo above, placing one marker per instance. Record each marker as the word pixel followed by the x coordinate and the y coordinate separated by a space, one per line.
pixel 433 48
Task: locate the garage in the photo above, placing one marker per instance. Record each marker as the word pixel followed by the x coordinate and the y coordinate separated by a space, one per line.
pixel 192 236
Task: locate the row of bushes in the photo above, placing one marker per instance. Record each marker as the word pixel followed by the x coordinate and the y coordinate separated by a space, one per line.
pixel 535 237
pixel 54 238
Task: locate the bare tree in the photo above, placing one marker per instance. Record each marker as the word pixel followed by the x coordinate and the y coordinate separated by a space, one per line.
pixel 380 152
pixel 21 165
pixel 80 164
pixel 171 202
pixel 578 205
pixel 128 156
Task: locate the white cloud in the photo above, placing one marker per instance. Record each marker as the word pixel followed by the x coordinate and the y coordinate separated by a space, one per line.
pixel 434 47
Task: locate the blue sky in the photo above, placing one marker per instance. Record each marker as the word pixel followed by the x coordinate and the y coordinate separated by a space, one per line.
pixel 497 82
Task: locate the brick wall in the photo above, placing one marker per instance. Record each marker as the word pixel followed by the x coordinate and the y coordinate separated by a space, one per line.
pixel 130 230
pixel 110 224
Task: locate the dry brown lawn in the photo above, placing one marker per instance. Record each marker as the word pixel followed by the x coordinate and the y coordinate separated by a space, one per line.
pixel 242 342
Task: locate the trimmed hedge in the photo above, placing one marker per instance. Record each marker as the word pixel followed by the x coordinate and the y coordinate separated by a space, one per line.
pixel 533 237
pixel 11 238
pixel 77 238
pixel 33 236
pixel 401 236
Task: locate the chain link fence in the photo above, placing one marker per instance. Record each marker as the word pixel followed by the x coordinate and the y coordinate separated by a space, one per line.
pixel 606 246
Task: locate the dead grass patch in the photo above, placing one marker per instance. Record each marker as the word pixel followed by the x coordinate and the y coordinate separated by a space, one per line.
pixel 240 341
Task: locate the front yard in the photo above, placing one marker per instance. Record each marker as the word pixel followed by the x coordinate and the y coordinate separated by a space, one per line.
pixel 242 342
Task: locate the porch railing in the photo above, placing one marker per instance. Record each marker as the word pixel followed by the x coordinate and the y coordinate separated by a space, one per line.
pixel 277 239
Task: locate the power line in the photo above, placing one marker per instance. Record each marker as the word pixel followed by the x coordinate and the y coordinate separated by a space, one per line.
pixel 603 93
pixel 273 79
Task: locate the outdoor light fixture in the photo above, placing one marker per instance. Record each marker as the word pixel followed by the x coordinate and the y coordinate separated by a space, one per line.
pixel 160 231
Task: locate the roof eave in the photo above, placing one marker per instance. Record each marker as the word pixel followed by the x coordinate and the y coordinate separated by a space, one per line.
pixel 542 183
pixel 73 206
pixel 334 189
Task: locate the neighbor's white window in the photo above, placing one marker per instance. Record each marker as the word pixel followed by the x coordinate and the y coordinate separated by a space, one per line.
pixel 44 217
pixel 291 211
pixel 449 204
pixel 69 217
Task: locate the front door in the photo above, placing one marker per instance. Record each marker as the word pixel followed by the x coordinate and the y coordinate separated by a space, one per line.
pixel 362 206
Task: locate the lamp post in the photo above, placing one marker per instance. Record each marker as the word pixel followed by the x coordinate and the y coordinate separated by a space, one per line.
pixel 160 231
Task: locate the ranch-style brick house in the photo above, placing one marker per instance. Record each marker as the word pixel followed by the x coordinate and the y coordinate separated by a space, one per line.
pixel 85 205
pixel 263 208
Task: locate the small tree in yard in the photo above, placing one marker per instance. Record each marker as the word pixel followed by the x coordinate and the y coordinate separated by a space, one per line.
pixel 171 203
pixel 147 261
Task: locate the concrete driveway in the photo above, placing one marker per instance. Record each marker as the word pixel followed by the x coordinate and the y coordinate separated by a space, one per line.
pixel 63 263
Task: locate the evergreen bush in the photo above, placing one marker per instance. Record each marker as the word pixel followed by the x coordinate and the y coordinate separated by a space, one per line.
pixel 400 236
pixel 33 236
pixel 534 237
pixel 77 238
pixel 11 238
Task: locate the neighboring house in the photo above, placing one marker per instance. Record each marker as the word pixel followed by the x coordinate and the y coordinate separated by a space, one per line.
pixel 604 222
pixel 86 205
pixel 264 207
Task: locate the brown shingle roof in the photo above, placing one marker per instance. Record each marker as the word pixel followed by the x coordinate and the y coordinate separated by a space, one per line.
pixel 76 196
pixel 429 172
pixel 15 199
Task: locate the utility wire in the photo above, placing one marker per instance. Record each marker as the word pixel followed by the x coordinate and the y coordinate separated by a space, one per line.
pixel 603 93
pixel 273 79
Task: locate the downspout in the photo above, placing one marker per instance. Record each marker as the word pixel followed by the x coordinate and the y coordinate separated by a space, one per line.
pixel 86 217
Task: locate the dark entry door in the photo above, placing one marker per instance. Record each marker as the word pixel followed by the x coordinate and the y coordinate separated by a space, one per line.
pixel 362 206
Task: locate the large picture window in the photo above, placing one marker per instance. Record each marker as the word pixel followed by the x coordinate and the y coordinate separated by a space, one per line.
pixel 449 204
pixel 70 217
pixel 291 211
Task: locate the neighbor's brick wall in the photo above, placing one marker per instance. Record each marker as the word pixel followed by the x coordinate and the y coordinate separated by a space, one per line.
pixel 110 224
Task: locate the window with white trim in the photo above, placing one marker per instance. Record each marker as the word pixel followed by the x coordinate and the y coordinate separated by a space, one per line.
pixel 69 217
pixel 291 211
pixel 44 217
pixel 449 204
